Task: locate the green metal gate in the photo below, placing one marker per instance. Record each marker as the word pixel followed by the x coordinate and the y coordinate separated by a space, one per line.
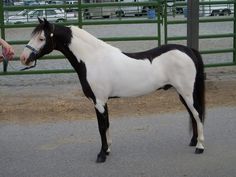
pixel 165 18
pixel 203 20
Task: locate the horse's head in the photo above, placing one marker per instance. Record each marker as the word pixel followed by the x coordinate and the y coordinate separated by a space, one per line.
pixel 40 44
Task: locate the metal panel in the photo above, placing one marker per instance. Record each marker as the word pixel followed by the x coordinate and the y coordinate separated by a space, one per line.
pixel 194 37
pixel 162 21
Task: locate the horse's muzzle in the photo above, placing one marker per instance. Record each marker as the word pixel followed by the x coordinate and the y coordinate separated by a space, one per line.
pixel 31 58
pixel 28 60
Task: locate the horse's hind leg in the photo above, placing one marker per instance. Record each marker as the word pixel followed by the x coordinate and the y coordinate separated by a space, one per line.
pixel 193 141
pixel 103 125
pixel 189 101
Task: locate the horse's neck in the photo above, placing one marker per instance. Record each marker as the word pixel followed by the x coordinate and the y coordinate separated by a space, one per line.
pixel 85 46
pixel 85 37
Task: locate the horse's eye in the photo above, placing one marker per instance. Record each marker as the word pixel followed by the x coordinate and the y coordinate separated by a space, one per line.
pixel 41 39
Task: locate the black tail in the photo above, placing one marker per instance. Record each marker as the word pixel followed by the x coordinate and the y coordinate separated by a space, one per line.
pixel 199 86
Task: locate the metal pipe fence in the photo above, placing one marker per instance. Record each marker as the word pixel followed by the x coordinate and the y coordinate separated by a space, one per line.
pixel 220 19
pixel 162 21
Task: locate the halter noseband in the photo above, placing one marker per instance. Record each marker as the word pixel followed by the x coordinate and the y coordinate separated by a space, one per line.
pixel 35 51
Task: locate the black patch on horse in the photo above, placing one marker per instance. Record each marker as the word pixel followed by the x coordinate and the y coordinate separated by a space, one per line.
pixel 155 52
pixel 166 87
pixel 62 42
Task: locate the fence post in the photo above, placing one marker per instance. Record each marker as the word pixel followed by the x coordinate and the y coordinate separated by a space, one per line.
pixel 193 24
pixel 2 19
pixel 5 63
pixel 158 22
pixel 234 54
pixel 165 21
pixel 80 14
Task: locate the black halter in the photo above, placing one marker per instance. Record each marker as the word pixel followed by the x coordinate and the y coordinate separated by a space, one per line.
pixel 35 52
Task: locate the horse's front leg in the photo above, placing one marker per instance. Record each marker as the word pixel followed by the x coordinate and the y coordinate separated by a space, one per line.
pixel 103 125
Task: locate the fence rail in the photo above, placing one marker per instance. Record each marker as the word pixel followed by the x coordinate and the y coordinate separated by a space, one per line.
pixel 231 34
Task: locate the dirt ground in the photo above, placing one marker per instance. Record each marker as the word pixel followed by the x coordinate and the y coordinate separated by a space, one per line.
pixel 31 104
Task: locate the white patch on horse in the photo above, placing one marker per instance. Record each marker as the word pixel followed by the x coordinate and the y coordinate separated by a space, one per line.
pixel 38 41
pixel 109 140
pixel 90 47
pixel 100 106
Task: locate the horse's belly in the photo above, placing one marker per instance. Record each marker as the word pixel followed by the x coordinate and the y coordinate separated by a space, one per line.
pixel 137 80
pixel 133 88
pixel 131 93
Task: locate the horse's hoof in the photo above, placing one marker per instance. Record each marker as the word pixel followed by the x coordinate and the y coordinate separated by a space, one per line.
pixel 101 158
pixel 199 151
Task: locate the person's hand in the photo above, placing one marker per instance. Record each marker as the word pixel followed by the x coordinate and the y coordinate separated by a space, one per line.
pixel 7 50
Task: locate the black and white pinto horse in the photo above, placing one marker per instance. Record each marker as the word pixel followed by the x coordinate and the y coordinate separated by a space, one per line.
pixel 106 72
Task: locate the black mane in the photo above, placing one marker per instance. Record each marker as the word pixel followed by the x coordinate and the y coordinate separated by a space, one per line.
pixel 38 29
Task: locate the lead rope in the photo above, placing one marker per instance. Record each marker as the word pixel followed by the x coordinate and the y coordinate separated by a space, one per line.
pixel 29 67
pixel 15 69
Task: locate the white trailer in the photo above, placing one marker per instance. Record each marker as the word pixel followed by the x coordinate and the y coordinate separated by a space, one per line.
pixel 97 12
pixel 217 9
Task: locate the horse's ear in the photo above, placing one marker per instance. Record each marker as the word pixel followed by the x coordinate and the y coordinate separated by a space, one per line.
pixel 46 21
pixel 40 21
